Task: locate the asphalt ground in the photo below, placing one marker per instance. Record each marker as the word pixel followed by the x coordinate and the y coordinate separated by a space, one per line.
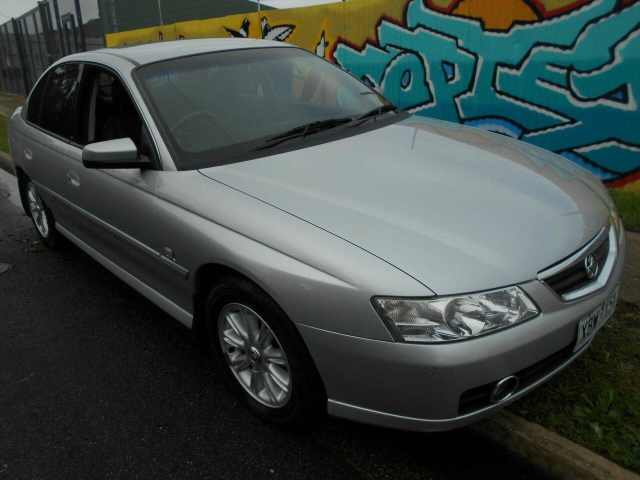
pixel 96 382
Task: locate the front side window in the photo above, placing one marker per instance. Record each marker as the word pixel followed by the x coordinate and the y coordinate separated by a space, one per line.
pixel 221 107
pixel 54 107
pixel 108 112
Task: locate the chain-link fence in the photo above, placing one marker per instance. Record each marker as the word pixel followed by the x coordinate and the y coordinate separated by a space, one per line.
pixel 53 29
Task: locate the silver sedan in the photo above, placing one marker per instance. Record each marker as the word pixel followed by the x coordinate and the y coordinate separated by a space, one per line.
pixel 335 253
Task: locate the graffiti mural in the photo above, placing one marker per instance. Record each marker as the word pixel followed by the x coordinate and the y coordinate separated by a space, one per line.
pixel 567 81
pixel 563 74
pixel 278 32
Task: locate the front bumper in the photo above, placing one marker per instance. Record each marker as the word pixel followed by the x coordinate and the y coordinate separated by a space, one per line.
pixel 419 387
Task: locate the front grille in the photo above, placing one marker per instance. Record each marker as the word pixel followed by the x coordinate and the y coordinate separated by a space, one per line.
pixel 575 276
pixel 479 397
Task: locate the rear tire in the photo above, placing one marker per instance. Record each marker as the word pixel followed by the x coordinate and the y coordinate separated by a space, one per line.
pixel 272 371
pixel 41 216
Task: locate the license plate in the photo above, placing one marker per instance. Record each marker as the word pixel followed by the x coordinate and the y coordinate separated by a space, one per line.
pixel 589 325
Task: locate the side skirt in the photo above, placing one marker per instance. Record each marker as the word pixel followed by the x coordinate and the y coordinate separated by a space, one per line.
pixel 157 298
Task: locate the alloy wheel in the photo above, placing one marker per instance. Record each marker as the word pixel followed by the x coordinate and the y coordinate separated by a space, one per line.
pixel 254 355
pixel 38 212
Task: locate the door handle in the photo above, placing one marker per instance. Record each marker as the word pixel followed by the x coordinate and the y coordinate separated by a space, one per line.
pixel 28 154
pixel 73 179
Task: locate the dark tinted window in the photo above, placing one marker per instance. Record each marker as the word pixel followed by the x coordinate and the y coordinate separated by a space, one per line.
pixel 108 112
pixel 57 112
pixel 35 102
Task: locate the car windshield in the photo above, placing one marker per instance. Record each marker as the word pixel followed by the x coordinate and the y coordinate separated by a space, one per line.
pixel 222 107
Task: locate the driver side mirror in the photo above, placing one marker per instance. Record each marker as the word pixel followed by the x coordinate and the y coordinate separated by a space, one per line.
pixel 118 153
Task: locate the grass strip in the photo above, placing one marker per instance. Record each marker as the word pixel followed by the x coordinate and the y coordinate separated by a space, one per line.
pixel 595 402
pixel 628 204
pixel 4 140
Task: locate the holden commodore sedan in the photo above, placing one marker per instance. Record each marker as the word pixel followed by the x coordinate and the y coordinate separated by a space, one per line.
pixel 335 253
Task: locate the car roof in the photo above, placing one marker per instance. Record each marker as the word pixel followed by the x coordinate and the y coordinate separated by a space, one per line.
pixel 155 52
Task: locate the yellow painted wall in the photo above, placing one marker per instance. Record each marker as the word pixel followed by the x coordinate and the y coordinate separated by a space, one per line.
pixel 354 20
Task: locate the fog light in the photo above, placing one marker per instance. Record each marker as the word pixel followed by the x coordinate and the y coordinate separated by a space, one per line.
pixel 504 389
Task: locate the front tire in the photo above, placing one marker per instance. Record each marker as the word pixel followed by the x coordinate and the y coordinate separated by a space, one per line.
pixel 264 359
pixel 41 216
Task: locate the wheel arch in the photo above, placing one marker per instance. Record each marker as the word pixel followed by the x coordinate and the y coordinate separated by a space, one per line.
pixel 205 276
pixel 22 178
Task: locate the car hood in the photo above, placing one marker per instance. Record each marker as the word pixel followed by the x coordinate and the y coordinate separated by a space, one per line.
pixel 457 208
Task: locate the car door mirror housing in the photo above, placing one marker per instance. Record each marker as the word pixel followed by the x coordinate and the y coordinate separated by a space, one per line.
pixel 118 153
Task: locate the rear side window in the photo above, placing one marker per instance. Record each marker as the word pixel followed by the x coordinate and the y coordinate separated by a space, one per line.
pixel 53 103
pixel 34 112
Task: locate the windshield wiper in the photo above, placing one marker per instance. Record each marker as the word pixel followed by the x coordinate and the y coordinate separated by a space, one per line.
pixel 304 130
pixel 376 112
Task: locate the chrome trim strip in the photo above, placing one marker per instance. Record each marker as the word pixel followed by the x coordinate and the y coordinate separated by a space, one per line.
pixel 157 298
pixel 573 259
pixel 602 279
pixel 182 271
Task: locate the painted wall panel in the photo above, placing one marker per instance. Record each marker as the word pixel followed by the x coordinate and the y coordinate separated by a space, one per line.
pixel 563 74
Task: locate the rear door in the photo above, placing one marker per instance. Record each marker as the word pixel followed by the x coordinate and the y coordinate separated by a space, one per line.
pixel 52 146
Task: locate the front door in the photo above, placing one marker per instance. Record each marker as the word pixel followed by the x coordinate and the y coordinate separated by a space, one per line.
pixel 121 214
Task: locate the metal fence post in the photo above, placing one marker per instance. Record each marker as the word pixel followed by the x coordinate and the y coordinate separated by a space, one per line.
pixel 56 12
pixel 23 66
pixel 39 37
pixel 28 48
pixel 4 65
pixel 159 12
pixel 50 48
pixel 83 41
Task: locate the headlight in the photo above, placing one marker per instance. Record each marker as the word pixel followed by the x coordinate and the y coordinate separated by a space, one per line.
pixel 446 319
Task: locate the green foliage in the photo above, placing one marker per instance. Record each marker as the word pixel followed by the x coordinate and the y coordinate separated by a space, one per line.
pixel 628 204
pixel 8 104
pixel 596 401
pixel 4 141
